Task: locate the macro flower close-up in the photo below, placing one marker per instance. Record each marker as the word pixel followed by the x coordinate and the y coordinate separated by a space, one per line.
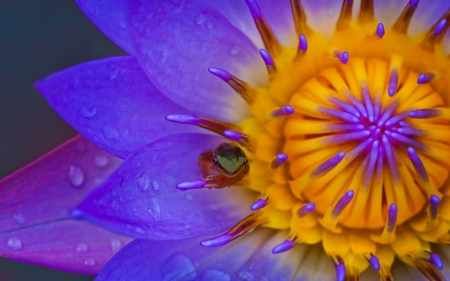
pixel 247 140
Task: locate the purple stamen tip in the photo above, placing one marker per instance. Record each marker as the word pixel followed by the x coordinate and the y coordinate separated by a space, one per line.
pixel 417 163
pixel 439 28
pixel 236 136
pixel 340 272
pixel 283 247
pixel 374 262
pixel 328 165
pixel 380 30
pixel 423 113
pixel 194 184
pixel 423 79
pixel 306 209
pixel 282 157
pixel 436 260
pixel 302 43
pixel 434 200
pixel 343 57
pixel 342 203
pixel 392 218
pixel 183 119
pixel 259 204
pixel 267 58
pixel 254 9
pixel 222 74
pixel 391 90
pixel 288 110
pixel 218 241
pixel 413 3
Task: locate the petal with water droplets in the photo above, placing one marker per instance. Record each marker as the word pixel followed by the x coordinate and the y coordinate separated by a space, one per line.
pixel 125 202
pixel 34 222
pixel 112 103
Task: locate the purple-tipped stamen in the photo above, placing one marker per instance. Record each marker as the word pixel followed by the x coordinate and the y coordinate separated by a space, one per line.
pixel 434 207
pixel 370 169
pixel 344 106
pixel 361 108
pixel 342 203
pixel 439 28
pixel 395 119
pixel 259 204
pixel 374 262
pixel 380 30
pixel 424 113
pixel 254 9
pixel 282 111
pixel 194 184
pixel 284 246
pixel 436 261
pixel 328 165
pixel 338 114
pixel 341 56
pixel 302 43
pixel 221 73
pixel 392 218
pixel 234 135
pixel 268 61
pixel 387 114
pixel 340 271
pixel 425 78
pixel 218 241
pixel 418 165
pixel 306 209
pixel 368 103
pixel 413 3
pixel 406 141
pixel 390 157
pixel 279 160
pixel 341 138
pixel 393 82
pixel 412 132
pixel 183 119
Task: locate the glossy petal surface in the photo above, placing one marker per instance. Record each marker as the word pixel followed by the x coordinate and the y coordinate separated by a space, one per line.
pixel 141 199
pixel 112 103
pixel 180 71
pixel 34 222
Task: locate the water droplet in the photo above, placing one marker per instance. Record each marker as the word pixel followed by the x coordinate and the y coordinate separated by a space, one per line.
pixel 245 276
pixel 113 74
pixel 116 245
pixel 155 185
pixel 82 248
pixel 209 24
pixel 89 262
pixel 189 197
pixel 101 161
pixel 110 133
pixel 154 209
pixel 76 176
pixel 88 111
pixel 143 183
pixel 14 244
pixel 235 50
pixel 139 230
pixel 213 274
pixel 19 218
pixel 178 267
pixel 199 19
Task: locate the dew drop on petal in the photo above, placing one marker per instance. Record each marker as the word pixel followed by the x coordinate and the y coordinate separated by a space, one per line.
pixel 19 218
pixel 82 248
pixel 116 245
pixel 113 74
pixel 88 111
pixel 213 274
pixel 199 19
pixel 76 176
pixel 189 197
pixel 143 183
pixel 234 50
pixel 139 230
pixel 110 133
pixel 245 276
pixel 89 262
pixel 178 267
pixel 209 24
pixel 14 243
pixel 101 161
pixel 154 209
pixel 155 185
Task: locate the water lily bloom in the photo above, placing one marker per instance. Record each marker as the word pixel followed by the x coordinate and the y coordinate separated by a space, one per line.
pixel 263 140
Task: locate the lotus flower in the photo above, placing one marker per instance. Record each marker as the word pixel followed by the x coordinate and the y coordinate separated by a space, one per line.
pixel 263 140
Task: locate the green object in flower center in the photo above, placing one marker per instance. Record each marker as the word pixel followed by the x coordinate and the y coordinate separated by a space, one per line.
pixel 229 158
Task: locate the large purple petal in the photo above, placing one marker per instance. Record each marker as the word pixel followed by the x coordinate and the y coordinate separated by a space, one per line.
pixel 176 43
pixel 182 259
pixel 110 17
pixel 141 199
pixel 112 102
pixel 34 222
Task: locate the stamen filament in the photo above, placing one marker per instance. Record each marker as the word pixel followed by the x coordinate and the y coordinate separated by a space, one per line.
pixel 279 160
pixel 388 234
pixel 345 16
pixel 299 17
pixel 433 211
pixel 242 88
pixel 366 13
pixel 282 111
pixel 212 125
pixel 402 23
pixel 268 60
pixel 328 165
pixel 335 213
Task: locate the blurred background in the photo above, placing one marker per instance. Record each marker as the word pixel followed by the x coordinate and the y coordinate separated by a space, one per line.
pixel 38 38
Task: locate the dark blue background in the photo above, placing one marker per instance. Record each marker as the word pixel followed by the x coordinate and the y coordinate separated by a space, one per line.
pixel 37 38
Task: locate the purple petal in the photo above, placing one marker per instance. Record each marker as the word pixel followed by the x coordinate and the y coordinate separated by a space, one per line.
pixel 112 102
pixel 177 50
pixel 34 222
pixel 110 17
pixel 182 259
pixel 141 198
